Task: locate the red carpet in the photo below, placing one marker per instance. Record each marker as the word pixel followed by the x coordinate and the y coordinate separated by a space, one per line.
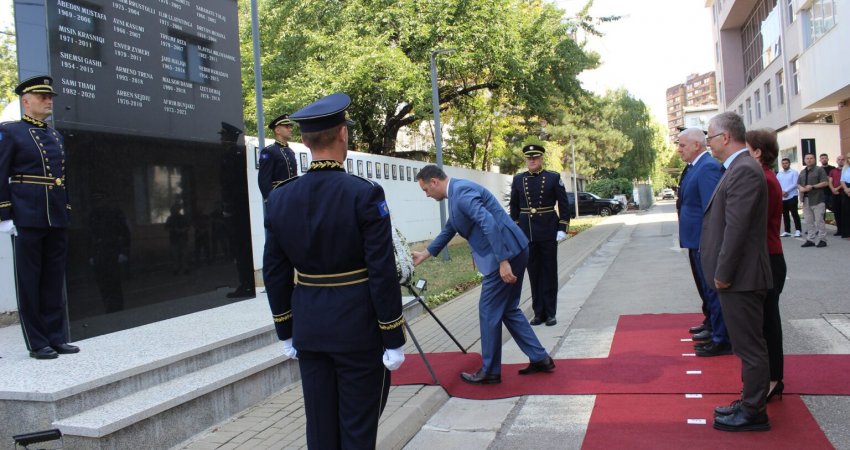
pixel 645 358
pixel 661 422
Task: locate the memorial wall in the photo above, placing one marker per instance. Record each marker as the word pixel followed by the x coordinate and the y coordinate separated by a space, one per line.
pixel 150 105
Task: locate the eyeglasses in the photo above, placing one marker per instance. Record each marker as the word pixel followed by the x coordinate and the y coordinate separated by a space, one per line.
pixel 709 138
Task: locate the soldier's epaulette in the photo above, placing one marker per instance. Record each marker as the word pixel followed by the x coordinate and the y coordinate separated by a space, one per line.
pixel 281 183
pixel 364 179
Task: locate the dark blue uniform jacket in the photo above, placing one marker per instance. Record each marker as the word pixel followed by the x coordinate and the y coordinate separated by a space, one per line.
pixel 532 205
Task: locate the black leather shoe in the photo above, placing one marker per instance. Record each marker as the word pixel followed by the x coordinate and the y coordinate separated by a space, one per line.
pixel 703 335
pixel 481 378
pixel 65 349
pixel 536 321
pixel 714 349
pixel 808 244
pixel 727 410
pixel 546 365
pixel 44 353
pixel 739 421
pixel 551 321
pixel 242 293
pixel 697 329
pixel 821 244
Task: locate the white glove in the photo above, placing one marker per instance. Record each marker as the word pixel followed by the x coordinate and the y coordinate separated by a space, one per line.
pixel 393 357
pixel 8 227
pixel 289 350
pixel 560 236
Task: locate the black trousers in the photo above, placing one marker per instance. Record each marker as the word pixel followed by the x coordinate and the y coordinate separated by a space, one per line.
pixel 697 273
pixel 543 277
pixel 772 321
pixel 789 209
pixel 844 227
pixel 344 396
pixel 40 281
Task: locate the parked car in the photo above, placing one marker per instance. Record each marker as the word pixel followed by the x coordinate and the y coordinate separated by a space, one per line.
pixel 667 193
pixel 592 204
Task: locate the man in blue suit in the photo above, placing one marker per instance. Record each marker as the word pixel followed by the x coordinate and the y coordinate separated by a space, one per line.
pixel 695 188
pixel 500 251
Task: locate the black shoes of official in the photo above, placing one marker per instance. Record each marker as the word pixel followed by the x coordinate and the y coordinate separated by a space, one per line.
pixel 808 244
pixel 821 244
pixel 703 335
pixel 44 353
pixel 65 349
pixel 727 410
pixel 545 365
pixel 551 321
pixel 242 292
pixel 714 349
pixel 536 321
pixel 481 377
pixel 697 329
pixel 738 420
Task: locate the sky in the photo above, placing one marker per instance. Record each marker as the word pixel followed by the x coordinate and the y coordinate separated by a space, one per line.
pixel 656 45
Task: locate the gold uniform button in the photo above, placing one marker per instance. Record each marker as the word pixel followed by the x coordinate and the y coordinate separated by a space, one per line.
pixel 58 182
pixel 533 210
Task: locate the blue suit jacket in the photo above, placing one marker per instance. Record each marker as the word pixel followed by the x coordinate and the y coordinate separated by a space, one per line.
pixel 695 192
pixel 475 214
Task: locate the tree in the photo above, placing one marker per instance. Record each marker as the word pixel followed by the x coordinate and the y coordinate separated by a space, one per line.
pixel 378 51
pixel 8 65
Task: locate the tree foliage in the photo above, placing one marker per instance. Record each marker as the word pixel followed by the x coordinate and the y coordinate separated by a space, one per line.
pixel 519 53
pixel 609 187
pixel 8 64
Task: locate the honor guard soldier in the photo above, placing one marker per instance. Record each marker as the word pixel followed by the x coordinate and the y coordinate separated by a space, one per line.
pixel 277 161
pixel 533 197
pixel 340 314
pixel 34 209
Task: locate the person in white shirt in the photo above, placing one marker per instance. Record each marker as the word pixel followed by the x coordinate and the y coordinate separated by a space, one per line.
pixel 788 182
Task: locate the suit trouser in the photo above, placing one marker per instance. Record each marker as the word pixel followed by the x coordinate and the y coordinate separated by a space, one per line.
pixel 845 214
pixel 813 218
pixel 710 300
pixel 499 303
pixel 772 319
pixel 744 315
pixel 344 396
pixel 40 280
pixel 699 281
pixel 543 277
pixel 789 209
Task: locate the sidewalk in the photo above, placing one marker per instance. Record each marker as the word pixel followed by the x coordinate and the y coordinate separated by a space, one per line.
pixel 278 423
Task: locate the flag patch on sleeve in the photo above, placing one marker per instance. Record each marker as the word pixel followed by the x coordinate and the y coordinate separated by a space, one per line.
pixel 383 209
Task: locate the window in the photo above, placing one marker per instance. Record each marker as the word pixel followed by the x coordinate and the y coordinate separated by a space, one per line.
pixel 790 153
pixel 760 37
pixel 749 112
pixel 791 15
pixel 780 87
pixel 795 77
pixel 822 18
pixel 757 98
pixel 741 110
pixel 768 101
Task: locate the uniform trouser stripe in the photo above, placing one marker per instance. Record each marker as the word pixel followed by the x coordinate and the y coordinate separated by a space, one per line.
pixel 39 255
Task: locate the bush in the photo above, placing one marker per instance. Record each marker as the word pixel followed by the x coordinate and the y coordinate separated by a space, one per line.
pixel 608 188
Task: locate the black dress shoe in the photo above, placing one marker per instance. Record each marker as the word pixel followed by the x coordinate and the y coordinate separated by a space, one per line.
pixel 44 353
pixel 739 421
pixel 697 329
pixel 703 335
pixel 821 244
pixel 545 365
pixel 65 349
pixel 536 321
pixel 242 293
pixel 808 244
pixel 551 321
pixel 714 349
pixel 481 378
pixel 727 410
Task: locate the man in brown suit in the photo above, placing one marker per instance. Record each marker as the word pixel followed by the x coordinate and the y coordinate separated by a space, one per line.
pixel 733 246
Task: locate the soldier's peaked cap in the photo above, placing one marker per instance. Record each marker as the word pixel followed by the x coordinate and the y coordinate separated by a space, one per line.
pixel 324 113
pixel 41 84
pixel 282 119
pixel 533 150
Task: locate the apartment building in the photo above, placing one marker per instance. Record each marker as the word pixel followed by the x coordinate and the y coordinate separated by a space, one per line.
pixel 782 64
pixel 698 91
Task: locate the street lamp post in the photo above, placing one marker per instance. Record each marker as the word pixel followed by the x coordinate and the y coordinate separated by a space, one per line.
pixel 258 75
pixel 575 176
pixel 438 138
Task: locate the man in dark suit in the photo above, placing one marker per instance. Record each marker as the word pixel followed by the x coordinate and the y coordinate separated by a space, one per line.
pixel 733 247
pixel 34 209
pixel 534 195
pixel 695 188
pixel 277 161
pixel 340 314
pixel 500 251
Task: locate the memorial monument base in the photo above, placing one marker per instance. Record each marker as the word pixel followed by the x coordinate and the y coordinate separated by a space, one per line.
pixel 153 386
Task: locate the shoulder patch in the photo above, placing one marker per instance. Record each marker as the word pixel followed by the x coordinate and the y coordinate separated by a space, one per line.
pixel 383 209
pixel 264 155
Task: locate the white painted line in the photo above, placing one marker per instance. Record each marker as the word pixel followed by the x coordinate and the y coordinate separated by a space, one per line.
pixel 686 340
pixel 693 395
pixel 696 421
pixel 689 354
pixel 694 372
